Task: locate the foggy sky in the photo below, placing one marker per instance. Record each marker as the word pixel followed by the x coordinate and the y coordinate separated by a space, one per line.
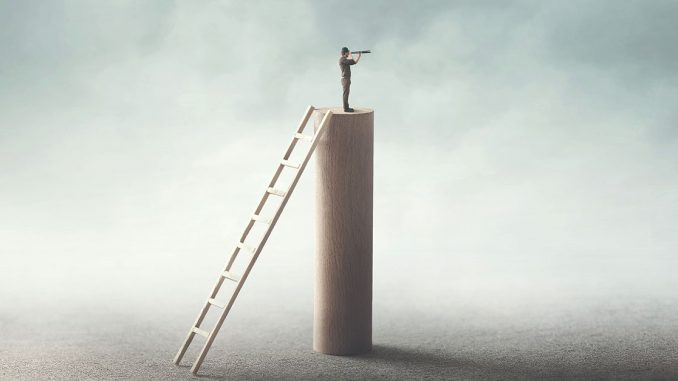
pixel 540 129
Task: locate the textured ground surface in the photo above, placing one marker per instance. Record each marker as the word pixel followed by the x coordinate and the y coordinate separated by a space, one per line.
pixel 435 317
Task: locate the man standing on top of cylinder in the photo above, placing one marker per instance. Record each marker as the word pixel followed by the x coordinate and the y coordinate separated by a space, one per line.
pixel 345 64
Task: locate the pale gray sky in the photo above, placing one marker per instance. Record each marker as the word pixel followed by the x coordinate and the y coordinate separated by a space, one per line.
pixel 134 129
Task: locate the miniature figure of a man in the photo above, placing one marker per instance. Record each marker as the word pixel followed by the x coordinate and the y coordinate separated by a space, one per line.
pixel 345 63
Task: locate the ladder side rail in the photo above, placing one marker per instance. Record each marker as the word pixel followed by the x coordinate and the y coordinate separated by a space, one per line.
pixel 274 179
pixel 276 174
pixel 302 125
pixel 217 327
pixel 300 128
pixel 278 171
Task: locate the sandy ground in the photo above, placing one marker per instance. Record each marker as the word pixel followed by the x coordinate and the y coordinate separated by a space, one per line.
pixel 435 317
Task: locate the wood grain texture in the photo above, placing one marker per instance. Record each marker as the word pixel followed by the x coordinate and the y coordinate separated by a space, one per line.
pixel 342 319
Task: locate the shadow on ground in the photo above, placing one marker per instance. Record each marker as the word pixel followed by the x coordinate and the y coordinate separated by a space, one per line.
pixel 384 362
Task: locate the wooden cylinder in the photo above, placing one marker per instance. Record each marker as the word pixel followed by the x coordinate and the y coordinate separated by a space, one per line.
pixel 342 316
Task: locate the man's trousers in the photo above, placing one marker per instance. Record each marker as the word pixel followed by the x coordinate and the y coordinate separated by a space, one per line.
pixel 346 85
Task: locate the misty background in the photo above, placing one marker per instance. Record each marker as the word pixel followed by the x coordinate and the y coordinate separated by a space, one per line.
pixel 525 153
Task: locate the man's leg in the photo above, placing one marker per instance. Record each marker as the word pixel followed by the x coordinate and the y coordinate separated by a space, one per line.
pixel 346 84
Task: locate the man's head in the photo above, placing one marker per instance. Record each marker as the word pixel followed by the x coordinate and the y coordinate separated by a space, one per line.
pixel 345 51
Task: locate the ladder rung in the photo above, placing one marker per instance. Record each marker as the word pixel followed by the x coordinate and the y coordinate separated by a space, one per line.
pixel 201 332
pixel 277 192
pixel 290 164
pixel 257 217
pixel 231 276
pixel 246 247
pixel 303 137
pixel 215 303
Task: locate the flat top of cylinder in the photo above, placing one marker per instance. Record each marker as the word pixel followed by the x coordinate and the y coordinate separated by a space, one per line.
pixel 340 111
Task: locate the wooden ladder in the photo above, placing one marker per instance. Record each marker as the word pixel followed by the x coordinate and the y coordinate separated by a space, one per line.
pixel 239 279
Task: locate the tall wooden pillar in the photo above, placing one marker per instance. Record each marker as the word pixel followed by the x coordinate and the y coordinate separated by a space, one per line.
pixel 342 323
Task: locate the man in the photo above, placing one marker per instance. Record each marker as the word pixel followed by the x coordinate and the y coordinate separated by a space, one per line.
pixel 345 63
